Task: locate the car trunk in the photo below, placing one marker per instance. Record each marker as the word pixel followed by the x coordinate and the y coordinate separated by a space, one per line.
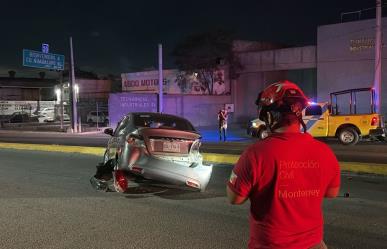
pixel 169 142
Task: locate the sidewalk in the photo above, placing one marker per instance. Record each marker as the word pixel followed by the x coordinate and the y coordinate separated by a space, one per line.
pixel 235 133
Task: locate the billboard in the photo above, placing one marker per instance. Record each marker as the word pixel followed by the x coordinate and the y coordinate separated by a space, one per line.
pixel 177 82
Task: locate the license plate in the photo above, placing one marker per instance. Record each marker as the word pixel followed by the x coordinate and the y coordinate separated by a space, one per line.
pixel 171 147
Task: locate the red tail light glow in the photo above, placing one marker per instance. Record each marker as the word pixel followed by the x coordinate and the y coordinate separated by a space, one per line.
pixel 374 121
pixel 192 183
pixel 121 181
pixel 136 169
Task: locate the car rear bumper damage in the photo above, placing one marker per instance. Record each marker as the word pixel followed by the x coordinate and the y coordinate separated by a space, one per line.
pixel 195 175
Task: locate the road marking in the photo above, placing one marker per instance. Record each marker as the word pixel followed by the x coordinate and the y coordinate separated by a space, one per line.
pixel 98 151
pixel 373 168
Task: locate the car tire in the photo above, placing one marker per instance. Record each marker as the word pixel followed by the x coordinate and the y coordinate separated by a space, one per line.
pixel 262 133
pixel 348 136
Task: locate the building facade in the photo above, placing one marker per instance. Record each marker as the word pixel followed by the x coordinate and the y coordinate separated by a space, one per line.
pixel 346 58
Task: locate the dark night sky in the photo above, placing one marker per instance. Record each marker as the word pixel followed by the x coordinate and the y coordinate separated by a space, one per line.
pixel 122 36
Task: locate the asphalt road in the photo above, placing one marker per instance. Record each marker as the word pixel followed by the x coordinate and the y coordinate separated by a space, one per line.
pixel 369 152
pixel 47 202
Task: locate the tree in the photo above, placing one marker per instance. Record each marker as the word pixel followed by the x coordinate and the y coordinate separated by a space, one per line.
pixel 204 54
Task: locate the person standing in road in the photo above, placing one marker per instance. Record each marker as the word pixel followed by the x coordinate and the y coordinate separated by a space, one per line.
pixel 222 123
pixel 285 176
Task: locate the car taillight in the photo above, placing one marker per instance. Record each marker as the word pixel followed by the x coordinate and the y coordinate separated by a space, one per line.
pixel 192 183
pixel 374 121
pixel 121 183
pixel 136 169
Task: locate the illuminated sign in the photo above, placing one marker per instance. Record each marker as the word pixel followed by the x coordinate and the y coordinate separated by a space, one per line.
pixel 43 60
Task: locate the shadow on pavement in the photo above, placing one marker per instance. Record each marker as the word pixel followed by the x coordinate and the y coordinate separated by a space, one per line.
pixel 216 188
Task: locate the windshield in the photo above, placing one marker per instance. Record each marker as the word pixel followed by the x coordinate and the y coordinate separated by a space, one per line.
pixel 160 121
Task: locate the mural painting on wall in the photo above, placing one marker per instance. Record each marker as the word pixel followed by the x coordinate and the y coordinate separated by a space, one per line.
pixel 177 82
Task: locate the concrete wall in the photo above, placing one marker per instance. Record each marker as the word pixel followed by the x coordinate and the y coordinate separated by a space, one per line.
pixel 279 59
pixel 200 110
pixel 265 67
pixel 345 58
pixel 94 89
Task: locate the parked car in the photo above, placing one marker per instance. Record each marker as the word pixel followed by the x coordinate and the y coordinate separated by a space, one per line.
pixel 66 117
pixel 94 117
pixel 46 117
pixel 153 146
pixel 47 110
pixel 22 117
pixel 43 118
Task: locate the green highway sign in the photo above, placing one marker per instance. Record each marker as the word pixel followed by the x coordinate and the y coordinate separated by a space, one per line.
pixel 42 60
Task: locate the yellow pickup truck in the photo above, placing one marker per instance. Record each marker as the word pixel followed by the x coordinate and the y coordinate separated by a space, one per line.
pixel 347 121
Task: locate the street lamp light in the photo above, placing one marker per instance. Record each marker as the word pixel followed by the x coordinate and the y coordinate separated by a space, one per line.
pixel 58 95
pixel 76 100
pixel 76 89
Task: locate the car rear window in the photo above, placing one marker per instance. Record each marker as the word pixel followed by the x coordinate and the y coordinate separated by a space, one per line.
pixel 158 121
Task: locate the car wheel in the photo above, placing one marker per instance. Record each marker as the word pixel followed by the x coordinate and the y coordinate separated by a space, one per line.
pixel 262 133
pixel 348 136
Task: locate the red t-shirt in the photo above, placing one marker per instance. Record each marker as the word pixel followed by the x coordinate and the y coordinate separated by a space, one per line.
pixel 285 176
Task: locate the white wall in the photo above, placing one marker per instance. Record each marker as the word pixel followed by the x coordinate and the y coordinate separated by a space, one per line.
pixel 339 67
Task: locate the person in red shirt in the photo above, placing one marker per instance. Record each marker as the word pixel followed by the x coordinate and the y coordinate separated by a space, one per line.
pixel 285 176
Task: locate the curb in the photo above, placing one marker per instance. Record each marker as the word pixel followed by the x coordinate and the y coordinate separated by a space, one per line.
pixel 370 168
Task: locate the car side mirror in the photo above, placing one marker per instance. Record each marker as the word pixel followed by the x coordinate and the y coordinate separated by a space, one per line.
pixel 108 131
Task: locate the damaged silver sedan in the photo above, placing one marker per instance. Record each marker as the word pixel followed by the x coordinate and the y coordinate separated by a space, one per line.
pixel 153 146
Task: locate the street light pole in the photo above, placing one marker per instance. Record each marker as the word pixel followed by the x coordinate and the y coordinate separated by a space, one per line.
pixel 378 57
pixel 61 99
pixel 72 90
pixel 160 78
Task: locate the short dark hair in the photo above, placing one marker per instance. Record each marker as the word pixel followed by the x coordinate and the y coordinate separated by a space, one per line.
pixel 288 119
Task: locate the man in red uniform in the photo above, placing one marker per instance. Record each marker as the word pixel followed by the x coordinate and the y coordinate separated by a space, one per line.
pixel 285 176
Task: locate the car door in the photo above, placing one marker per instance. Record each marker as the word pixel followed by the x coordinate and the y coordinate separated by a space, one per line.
pixel 316 120
pixel 118 139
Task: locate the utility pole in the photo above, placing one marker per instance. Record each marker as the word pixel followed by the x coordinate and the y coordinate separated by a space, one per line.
pixel 160 78
pixel 72 90
pixel 378 57
pixel 61 99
